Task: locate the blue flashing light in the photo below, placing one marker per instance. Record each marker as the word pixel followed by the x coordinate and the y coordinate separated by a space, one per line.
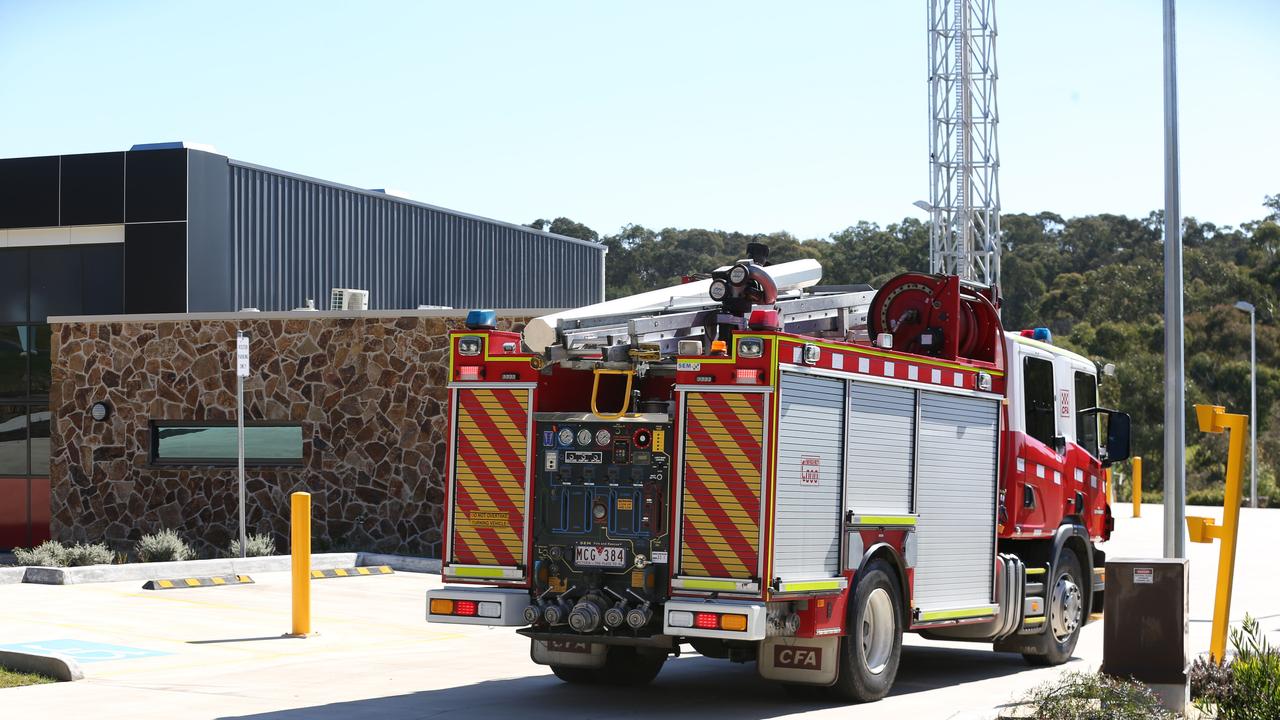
pixel 482 320
pixel 1043 335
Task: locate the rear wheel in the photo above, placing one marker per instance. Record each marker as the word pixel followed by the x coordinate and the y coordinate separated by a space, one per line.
pixel 1066 603
pixel 870 652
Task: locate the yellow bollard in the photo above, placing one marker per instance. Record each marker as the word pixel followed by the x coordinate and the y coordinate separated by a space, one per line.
pixel 1137 487
pixel 1215 419
pixel 300 547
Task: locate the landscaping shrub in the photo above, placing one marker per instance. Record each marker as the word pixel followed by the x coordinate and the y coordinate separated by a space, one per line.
pixel 88 554
pixel 163 546
pixel 1085 696
pixel 49 553
pixel 1253 677
pixel 256 546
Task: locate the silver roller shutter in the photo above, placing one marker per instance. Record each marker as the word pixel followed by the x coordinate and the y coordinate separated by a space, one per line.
pixel 957 496
pixel 806 537
pixel 882 427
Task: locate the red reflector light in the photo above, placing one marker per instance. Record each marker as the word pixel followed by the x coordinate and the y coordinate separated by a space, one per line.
pixel 469 372
pixel 464 607
pixel 706 621
pixel 747 377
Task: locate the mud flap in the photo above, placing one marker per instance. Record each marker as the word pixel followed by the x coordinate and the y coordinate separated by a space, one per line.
pixel 811 661
pixel 569 653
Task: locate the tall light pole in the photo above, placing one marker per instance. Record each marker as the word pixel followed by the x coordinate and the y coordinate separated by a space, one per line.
pixel 1253 402
pixel 1175 411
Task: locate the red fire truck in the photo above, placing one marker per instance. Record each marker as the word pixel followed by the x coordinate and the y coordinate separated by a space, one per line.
pixel 769 470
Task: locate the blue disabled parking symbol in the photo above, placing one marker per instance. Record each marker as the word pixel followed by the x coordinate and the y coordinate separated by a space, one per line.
pixel 82 651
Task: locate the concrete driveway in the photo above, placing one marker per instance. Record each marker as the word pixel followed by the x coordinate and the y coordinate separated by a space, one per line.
pixel 218 653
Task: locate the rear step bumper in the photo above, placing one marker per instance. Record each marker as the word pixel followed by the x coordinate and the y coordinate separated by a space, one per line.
pixel 500 607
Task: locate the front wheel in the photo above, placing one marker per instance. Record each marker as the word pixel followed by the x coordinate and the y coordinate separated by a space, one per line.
pixel 1066 603
pixel 870 651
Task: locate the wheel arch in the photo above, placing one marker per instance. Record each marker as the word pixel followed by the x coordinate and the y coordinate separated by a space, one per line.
pixel 1075 537
pixel 890 555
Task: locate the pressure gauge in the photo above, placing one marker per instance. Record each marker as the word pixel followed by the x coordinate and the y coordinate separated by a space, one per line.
pixel 566 436
pixel 738 274
pixel 584 437
pixel 603 436
pixel 718 290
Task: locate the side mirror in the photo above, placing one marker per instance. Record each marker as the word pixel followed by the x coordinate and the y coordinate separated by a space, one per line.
pixel 1117 438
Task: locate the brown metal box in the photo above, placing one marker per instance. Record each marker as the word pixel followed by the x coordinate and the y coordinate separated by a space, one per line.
pixel 1144 628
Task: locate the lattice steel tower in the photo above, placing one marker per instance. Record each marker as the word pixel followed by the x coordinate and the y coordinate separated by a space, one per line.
pixel 964 159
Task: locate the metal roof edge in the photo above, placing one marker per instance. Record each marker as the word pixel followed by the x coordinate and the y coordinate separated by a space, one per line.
pixel 292 315
pixel 397 199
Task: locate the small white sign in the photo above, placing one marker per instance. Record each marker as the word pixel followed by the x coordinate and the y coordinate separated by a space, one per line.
pixel 1143 576
pixel 688 366
pixel 660 556
pixel 242 356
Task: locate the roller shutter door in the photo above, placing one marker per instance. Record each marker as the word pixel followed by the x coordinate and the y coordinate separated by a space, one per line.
pixel 957 499
pixel 806 540
pixel 882 427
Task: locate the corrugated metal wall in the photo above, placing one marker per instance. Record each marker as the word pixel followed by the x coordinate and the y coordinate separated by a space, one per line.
pixel 295 238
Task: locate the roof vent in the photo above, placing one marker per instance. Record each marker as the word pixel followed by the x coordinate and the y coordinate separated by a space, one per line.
pixel 392 192
pixel 175 145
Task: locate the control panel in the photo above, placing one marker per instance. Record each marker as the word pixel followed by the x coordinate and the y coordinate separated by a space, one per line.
pixel 601 497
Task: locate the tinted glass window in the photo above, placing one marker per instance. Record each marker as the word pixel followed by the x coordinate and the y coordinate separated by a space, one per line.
pixel 39 440
pixel 39 359
pixel 14 351
pixel 13 284
pixel 13 440
pixel 1038 399
pixel 55 282
pixel 198 444
pixel 103 284
pixel 1086 423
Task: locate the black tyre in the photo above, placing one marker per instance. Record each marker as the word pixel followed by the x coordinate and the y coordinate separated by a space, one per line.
pixel 870 652
pixel 626 665
pixel 576 675
pixel 1066 607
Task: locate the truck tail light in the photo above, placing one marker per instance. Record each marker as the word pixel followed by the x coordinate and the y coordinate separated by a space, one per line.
pixel 747 377
pixel 441 607
pixel 469 372
pixel 706 621
pixel 489 609
pixel 680 618
pixel 464 607
pixel 733 622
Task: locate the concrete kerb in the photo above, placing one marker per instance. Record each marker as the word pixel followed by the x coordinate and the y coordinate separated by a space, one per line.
pixel 59 667
pixel 206 568
pixel 10 575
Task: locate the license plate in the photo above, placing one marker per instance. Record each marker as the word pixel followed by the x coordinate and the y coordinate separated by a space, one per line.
pixel 593 556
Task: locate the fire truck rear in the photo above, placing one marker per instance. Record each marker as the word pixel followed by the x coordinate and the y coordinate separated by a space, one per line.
pixel 771 471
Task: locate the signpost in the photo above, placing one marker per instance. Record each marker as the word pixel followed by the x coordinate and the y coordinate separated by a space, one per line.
pixel 242 372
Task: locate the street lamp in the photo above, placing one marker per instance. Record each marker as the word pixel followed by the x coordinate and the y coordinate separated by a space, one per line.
pixel 1253 402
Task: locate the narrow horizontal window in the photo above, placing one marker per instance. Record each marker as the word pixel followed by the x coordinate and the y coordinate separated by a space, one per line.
pixel 193 443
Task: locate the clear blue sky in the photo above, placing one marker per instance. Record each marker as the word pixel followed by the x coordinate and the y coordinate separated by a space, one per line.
pixel 736 115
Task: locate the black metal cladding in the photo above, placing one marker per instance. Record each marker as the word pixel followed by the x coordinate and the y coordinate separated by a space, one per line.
pixel 295 238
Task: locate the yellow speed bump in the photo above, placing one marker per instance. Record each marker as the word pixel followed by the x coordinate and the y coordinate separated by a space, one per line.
pixel 351 572
pixel 178 583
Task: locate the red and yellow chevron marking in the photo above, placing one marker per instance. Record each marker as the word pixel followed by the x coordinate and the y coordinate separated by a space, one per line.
pixel 724 435
pixel 491 449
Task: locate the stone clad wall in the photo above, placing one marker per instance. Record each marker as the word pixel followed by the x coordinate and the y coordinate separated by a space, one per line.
pixel 369 393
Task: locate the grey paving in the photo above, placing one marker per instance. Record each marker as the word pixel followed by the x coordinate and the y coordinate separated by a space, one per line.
pixel 374 657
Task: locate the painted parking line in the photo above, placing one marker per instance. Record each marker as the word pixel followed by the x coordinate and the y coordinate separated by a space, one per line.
pixel 83 651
